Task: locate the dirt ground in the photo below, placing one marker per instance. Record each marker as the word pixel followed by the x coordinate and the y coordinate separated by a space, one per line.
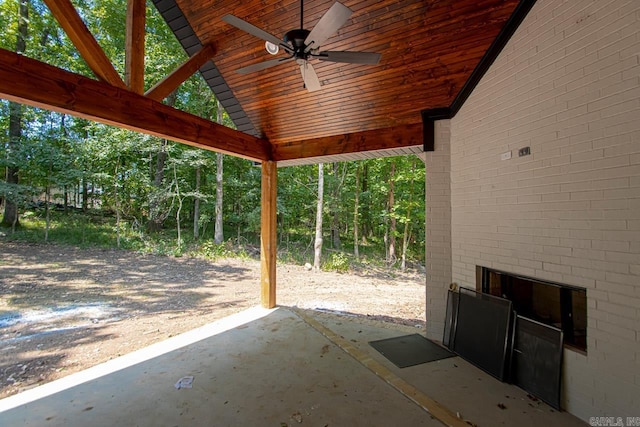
pixel 64 309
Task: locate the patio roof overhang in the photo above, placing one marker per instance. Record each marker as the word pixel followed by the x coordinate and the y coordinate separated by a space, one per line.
pixel 433 54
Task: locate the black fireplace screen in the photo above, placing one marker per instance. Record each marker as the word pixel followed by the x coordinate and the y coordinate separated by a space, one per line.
pixel 482 331
pixel 485 330
pixel 450 319
pixel 537 359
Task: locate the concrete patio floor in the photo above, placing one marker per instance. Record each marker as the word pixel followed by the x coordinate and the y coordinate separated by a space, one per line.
pixel 281 367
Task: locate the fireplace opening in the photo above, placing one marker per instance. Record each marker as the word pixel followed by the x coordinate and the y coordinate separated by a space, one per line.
pixel 562 306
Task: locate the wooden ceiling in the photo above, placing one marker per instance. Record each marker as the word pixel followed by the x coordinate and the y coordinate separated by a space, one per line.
pixel 429 50
pixel 433 52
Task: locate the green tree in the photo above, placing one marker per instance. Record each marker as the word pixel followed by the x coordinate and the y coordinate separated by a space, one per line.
pixel 317 246
pixel 219 224
pixel 12 179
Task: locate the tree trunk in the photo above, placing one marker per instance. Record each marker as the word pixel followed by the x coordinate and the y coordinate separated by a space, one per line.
pixel 196 207
pixel 47 200
pixel 117 201
pixel 65 202
pixel 385 239
pixel 175 178
pixel 156 219
pixel 156 216
pixel 218 233
pixel 65 149
pixel 335 208
pixel 335 230
pixel 10 217
pixel 365 225
pixel 392 219
pixel 356 217
pixel 85 195
pixel 318 242
pixel 405 235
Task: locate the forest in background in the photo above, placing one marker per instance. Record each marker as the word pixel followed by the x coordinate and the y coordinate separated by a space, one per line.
pixel 70 180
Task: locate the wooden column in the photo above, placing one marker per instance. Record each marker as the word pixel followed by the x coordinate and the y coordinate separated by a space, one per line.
pixel 268 234
pixel 134 45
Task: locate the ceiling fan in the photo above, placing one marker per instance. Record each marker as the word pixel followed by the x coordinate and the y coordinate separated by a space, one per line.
pixel 303 45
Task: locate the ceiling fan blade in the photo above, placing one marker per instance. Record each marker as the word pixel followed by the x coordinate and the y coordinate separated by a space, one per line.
pixel 253 30
pixel 350 57
pixel 311 81
pixel 261 66
pixel 328 25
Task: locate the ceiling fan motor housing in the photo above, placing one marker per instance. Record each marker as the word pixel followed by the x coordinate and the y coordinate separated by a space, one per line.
pixel 296 39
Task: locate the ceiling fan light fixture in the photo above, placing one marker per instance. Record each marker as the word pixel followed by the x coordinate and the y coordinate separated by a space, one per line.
pixel 273 49
pixel 303 45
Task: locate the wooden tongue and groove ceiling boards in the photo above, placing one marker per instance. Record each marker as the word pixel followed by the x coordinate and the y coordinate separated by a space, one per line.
pixel 429 51
pixel 431 55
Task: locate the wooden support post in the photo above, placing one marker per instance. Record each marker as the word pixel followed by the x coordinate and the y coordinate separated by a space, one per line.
pixel 268 243
pixel 134 45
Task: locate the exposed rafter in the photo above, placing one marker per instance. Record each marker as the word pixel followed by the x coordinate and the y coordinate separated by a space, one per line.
pixel 134 45
pixel 170 83
pixel 83 40
pixel 35 83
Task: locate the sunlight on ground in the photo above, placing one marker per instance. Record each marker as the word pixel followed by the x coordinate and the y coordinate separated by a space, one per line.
pixel 50 315
pixel 136 357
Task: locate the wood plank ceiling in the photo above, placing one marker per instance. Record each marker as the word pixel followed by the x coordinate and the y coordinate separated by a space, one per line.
pixel 432 54
pixel 429 49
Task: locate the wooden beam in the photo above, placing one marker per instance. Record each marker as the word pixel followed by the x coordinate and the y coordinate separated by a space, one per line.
pixel 170 83
pixel 83 40
pixel 134 45
pixel 35 83
pixel 380 139
pixel 268 239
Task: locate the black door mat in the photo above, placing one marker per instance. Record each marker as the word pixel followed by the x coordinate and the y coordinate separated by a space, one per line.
pixel 410 350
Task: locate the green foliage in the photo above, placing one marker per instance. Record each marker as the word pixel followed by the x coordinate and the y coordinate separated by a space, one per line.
pixel 18 194
pixel 337 261
pixel 71 229
pixel 295 251
pixel 211 250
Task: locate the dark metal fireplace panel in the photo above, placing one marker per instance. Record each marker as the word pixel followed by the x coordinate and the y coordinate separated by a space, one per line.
pixel 482 331
pixel 450 319
pixel 537 359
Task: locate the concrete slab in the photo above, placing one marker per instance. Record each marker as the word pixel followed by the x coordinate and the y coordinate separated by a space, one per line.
pixel 464 389
pixel 274 370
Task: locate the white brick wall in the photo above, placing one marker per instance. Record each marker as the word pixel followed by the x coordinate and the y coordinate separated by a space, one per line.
pixel 568 86
pixel 438 229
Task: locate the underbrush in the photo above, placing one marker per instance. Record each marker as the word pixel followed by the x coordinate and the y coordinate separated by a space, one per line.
pixel 94 229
